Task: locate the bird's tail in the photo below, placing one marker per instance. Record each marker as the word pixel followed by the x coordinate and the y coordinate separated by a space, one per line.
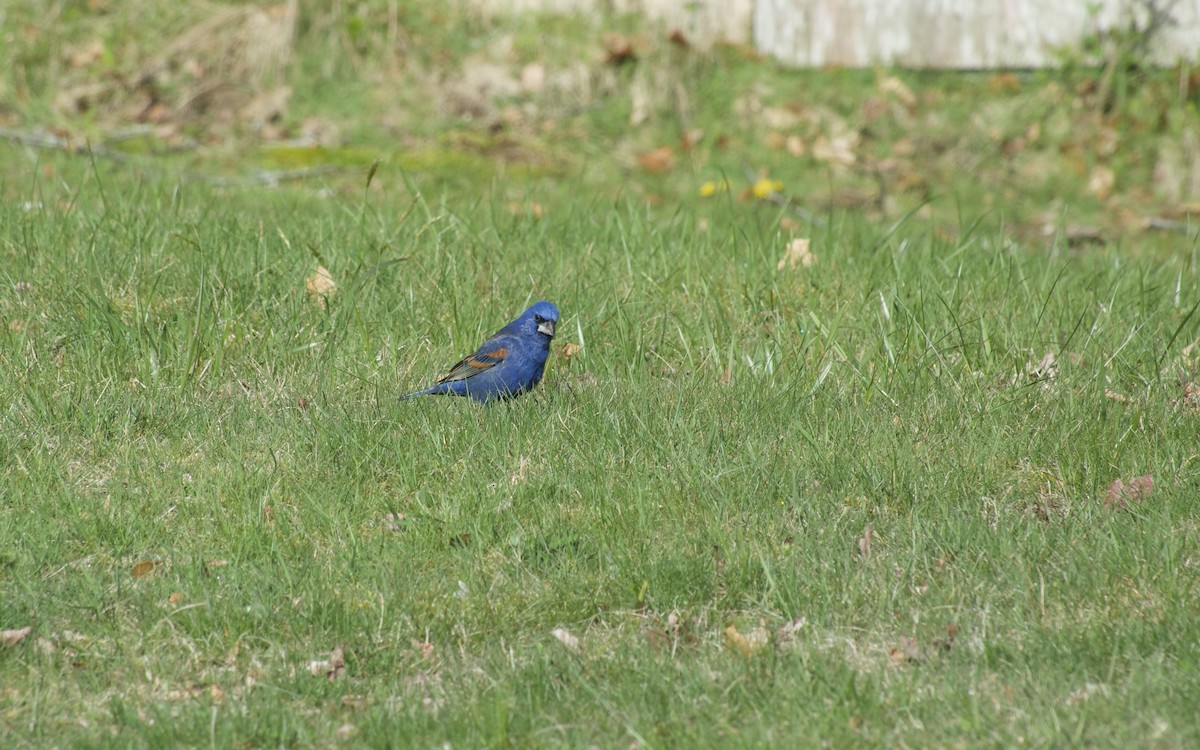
pixel 435 390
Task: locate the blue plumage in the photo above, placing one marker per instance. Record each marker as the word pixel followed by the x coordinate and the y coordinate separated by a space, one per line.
pixel 508 364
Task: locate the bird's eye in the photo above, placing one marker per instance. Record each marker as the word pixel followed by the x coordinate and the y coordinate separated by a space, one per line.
pixel 539 319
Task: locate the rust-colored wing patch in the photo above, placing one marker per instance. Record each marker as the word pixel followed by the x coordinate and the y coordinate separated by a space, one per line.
pixel 475 364
pixel 491 359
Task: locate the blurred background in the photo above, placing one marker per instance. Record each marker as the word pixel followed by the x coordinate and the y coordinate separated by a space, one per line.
pixel 1070 118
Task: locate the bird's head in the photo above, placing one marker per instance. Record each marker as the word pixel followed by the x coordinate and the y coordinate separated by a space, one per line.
pixel 544 317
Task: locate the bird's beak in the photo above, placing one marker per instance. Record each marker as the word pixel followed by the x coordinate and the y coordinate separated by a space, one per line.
pixel 546 327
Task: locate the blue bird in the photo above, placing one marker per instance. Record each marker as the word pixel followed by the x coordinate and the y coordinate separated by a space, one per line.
pixel 508 364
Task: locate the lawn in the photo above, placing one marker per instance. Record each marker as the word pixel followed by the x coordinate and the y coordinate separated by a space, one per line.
pixel 827 452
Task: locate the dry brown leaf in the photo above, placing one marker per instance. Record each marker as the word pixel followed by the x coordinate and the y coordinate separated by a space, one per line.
pixel 570 349
pixel 533 77
pixel 906 651
pixel 332 668
pixel 175 598
pixel 564 636
pixel 790 629
pixel 657 161
pixel 689 139
pixel 1190 400
pixel 780 118
pixel 355 702
pixel 1046 369
pixel 1004 83
pixel 320 286
pixel 1078 234
pixel 142 569
pixel 13 637
pixel 797 253
pixel 679 39
pixel 346 731
pixel 424 648
pixel 896 87
pixel 532 209
pixel 1112 395
pixel 1122 494
pixel 747 644
pixel 619 50
pixel 945 644
pixel 1101 182
pixel 864 542
pixel 837 149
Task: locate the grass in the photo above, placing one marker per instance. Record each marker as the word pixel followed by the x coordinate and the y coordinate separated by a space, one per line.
pixel 850 504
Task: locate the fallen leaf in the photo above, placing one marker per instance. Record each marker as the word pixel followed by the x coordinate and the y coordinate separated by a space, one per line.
pixel 788 630
pixel 1077 234
pixel 142 569
pixel 679 39
pixel 747 644
pixel 1101 181
pixel 780 118
pixel 532 209
pixel 565 637
pixel 619 50
pixel 797 253
pixel 1190 400
pixel 332 668
pixel 570 349
pixel 864 542
pixel 907 651
pixel 945 644
pixel 657 161
pixel 533 77
pixel 896 87
pixel 216 693
pixel 1121 494
pixel 13 637
pixel 424 648
pixel 1004 83
pixel 837 149
pixel 355 702
pixel 320 286
pixel 346 731
pixel 1087 691
pixel 689 139
pixel 1046 369
pixel 175 597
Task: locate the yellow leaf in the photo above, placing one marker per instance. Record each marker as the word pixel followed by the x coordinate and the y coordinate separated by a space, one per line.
pixel 748 643
pixel 142 569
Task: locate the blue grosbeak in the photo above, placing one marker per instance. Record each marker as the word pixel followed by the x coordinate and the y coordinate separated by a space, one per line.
pixel 508 364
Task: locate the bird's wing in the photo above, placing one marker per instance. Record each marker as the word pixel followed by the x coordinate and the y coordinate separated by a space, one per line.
pixel 492 353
